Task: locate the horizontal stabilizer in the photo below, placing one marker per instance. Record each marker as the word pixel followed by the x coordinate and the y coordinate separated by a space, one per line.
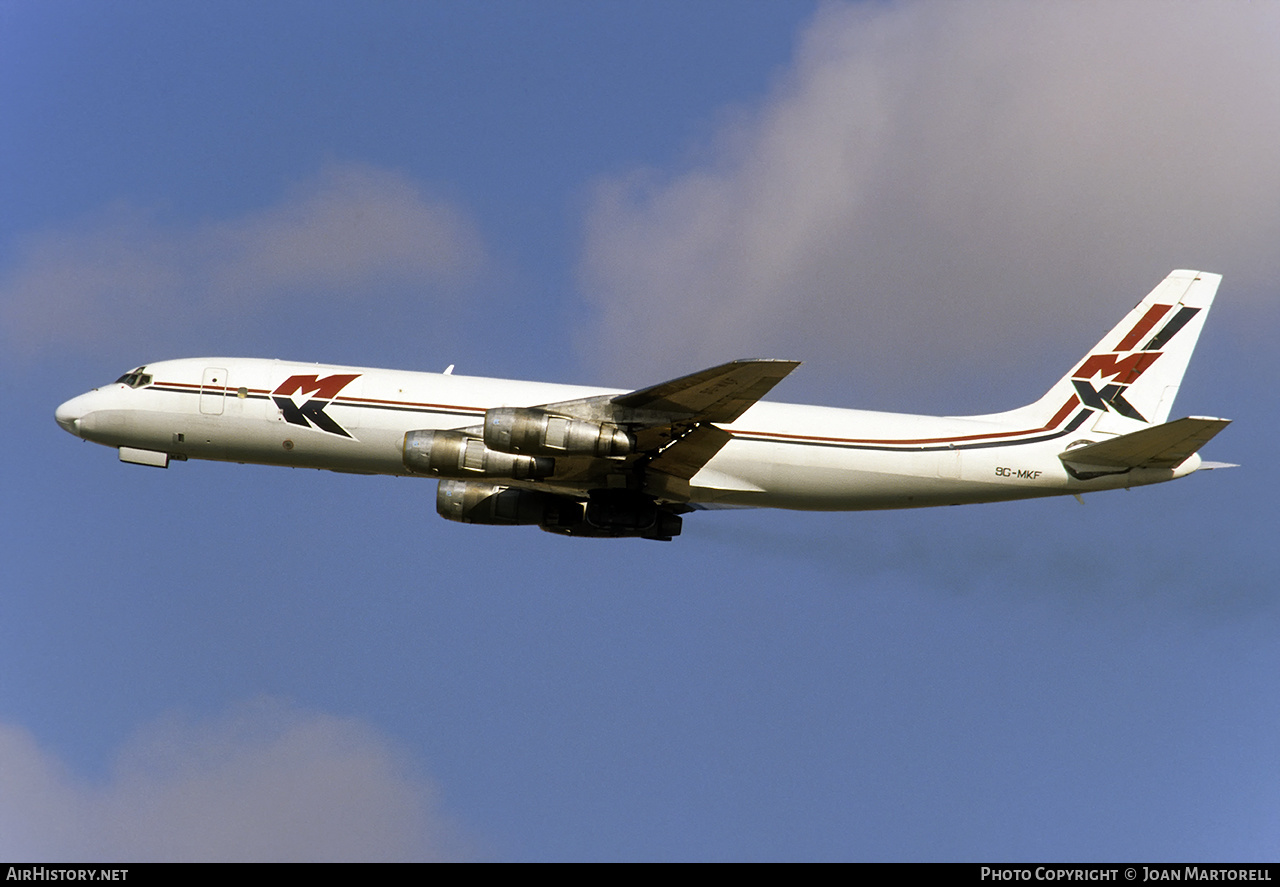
pixel 1161 446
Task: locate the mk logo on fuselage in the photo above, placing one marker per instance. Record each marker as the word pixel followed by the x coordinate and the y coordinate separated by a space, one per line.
pixel 1125 365
pixel 311 413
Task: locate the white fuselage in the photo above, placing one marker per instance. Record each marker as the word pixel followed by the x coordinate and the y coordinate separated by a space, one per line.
pixel 780 455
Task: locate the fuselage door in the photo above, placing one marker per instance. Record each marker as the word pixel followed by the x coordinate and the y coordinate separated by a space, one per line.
pixel 213 388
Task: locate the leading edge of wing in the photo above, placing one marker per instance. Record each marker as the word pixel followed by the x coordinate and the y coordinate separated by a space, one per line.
pixel 718 394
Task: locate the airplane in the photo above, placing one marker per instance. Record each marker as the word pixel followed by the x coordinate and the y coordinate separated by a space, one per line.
pixel 593 462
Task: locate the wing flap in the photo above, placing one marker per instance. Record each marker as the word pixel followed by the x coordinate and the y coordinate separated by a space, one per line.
pixel 685 457
pixel 1161 446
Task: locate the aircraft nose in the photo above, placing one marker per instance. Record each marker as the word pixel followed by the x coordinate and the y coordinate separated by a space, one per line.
pixel 68 415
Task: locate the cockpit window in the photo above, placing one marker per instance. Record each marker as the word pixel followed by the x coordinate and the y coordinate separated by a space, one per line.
pixel 135 378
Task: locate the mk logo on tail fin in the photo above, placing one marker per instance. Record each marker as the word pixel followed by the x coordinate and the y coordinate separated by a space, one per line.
pixel 1123 366
pixel 1110 397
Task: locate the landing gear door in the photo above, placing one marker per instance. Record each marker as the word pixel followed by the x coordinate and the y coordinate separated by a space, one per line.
pixel 213 389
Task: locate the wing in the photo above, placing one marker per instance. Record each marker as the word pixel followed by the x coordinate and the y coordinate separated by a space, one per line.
pixel 674 425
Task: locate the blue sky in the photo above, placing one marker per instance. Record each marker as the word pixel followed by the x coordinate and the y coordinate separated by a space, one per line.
pixel 937 207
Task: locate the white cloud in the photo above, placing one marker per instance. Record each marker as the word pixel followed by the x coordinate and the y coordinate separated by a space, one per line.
pixel 935 183
pixel 337 237
pixel 264 783
pixel 354 225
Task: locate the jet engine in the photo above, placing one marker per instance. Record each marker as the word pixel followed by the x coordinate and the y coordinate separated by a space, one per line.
pixel 624 513
pixel 472 502
pixel 458 454
pixel 536 432
pixel 606 513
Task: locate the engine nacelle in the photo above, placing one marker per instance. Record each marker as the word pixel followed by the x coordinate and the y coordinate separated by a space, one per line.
pixel 470 502
pixel 458 454
pixel 538 432
pixel 606 515
pixel 622 513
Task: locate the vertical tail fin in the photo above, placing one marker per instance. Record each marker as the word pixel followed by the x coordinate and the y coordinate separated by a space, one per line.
pixel 1133 374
